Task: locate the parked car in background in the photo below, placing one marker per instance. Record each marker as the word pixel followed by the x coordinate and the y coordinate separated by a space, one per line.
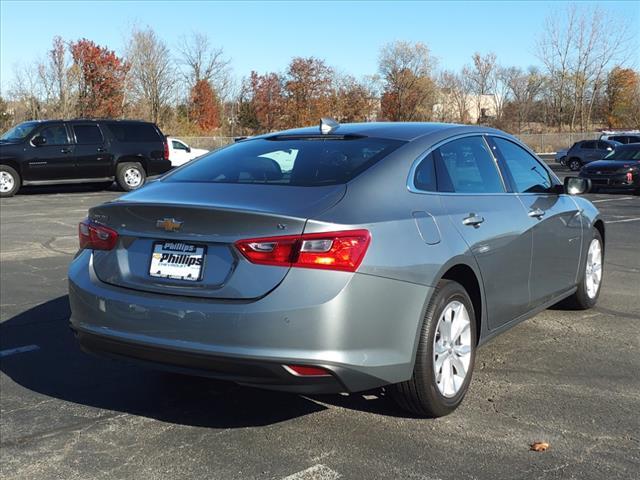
pixel 337 259
pixel 620 170
pixel 586 151
pixel 561 156
pixel 54 152
pixel 180 153
pixel 624 137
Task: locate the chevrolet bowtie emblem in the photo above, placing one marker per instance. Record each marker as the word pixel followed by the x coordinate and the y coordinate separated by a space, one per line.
pixel 169 224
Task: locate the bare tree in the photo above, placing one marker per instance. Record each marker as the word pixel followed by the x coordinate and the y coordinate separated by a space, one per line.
pixel 57 79
pixel 576 50
pixel 455 97
pixel 524 88
pixel 27 90
pixel 409 93
pixel 152 77
pixel 483 77
pixel 200 60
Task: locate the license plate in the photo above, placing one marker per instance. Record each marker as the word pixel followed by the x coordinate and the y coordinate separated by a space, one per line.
pixel 177 260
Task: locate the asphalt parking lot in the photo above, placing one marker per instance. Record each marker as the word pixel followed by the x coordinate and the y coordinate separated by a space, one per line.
pixel 568 378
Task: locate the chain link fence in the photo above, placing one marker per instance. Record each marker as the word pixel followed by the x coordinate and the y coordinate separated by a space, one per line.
pixel 539 142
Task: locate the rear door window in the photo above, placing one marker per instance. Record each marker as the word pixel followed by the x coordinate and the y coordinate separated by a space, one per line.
pixel 87 134
pixel 527 174
pixel 588 145
pixel 291 160
pixel 425 175
pixel 467 166
pixel 134 132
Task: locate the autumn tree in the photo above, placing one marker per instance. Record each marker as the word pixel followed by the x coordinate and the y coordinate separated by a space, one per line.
pixel 622 91
pixel 524 89
pixel 354 100
pixel 267 100
pixel 204 106
pixel 454 97
pixel 101 77
pixel 308 89
pixel 409 93
pixel 483 75
pixel 153 76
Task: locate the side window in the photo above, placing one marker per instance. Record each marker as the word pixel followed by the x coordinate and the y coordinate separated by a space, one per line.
pixel 178 145
pixel 87 134
pixel 425 175
pixel 466 166
pixel 526 172
pixel 55 135
pixel 589 145
pixel 603 145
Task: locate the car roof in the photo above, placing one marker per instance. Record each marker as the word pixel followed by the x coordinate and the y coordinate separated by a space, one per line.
pixel 406 131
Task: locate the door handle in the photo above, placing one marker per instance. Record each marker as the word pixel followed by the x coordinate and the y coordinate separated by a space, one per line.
pixel 473 220
pixel 65 150
pixel 536 213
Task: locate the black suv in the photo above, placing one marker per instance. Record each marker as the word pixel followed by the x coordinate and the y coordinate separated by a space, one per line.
pixel 81 151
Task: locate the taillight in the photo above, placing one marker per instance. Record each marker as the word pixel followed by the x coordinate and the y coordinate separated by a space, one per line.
pixel 166 148
pixel 629 177
pixel 96 237
pixel 332 250
pixel 306 371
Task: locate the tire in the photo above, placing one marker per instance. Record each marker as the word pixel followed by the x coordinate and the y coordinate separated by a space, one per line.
pixel 421 394
pixel 130 176
pixel 574 164
pixel 10 181
pixel 584 297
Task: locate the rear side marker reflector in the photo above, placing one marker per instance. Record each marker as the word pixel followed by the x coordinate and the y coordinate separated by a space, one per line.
pixel 342 250
pixel 306 371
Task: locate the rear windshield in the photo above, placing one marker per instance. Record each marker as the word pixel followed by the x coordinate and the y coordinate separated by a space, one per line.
pixel 288 161
pixel 134 132
pixel 625 153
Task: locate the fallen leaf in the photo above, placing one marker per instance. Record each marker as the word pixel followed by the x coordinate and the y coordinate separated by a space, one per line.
pixel 539 446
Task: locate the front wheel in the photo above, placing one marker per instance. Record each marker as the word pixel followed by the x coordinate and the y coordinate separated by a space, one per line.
pixel 9 181
pixel 586 296
pixel 445 356
pixel 130 176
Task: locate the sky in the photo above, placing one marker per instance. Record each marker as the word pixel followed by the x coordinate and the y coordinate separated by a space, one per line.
pixel 264 36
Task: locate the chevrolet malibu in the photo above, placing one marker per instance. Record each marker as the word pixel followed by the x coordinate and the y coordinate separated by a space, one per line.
pixel 337 259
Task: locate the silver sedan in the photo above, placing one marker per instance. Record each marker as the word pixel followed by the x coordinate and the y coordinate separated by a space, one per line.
pixel 337 259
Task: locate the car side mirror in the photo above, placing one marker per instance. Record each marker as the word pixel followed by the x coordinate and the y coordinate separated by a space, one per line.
pixel 576 185
pixel 38 140
pixel 188 149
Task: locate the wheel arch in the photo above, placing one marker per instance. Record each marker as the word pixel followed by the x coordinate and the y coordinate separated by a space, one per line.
pixel 141 159
pixel 599 225
pixel 466 276
pixel 13 164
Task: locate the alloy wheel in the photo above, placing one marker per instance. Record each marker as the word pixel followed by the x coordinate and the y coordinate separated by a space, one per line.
pixel 593 269
pixel 452 348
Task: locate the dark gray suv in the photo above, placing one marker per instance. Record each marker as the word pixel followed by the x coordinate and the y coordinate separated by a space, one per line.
pixel 587 151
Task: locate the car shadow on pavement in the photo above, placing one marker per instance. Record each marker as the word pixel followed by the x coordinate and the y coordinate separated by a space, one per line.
pixel 67 189
pixel 59 369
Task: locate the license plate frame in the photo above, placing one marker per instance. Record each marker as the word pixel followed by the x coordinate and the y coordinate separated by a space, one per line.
pixel 180 250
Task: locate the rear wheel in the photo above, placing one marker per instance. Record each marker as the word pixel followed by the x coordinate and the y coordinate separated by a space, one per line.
pixel 130 176
pixel 9 181
pixel 445 356
pixel 586 296
pixel 574 164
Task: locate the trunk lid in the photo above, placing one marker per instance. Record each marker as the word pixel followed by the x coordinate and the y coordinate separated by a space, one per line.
pixel 211 217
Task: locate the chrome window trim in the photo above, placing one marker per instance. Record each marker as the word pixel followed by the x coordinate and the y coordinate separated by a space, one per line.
pixel 416 163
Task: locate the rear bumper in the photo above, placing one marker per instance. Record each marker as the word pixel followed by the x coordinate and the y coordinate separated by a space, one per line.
pixel 255 373
pixel 361 328
pixel 158 166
